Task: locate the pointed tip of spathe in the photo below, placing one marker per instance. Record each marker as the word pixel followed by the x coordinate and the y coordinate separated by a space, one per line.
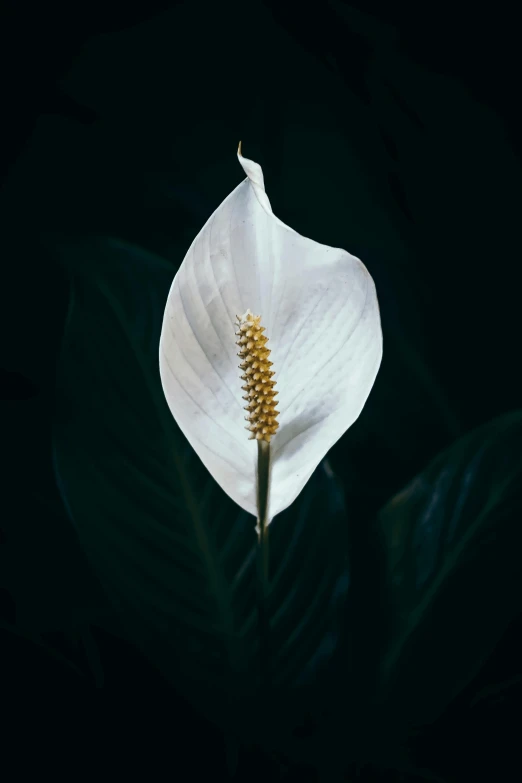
pixel 254 173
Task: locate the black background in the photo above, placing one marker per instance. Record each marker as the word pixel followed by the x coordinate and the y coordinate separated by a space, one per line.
pixel 389 129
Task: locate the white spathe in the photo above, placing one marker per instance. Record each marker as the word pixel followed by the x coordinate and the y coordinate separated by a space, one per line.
pixel 319 307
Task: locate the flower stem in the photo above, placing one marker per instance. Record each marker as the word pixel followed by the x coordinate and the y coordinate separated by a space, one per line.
pixel 263 573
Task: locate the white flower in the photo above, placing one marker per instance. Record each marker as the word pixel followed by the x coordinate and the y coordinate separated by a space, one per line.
pixel 319 310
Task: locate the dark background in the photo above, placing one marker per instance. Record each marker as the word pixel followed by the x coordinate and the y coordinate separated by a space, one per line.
pixel 391 130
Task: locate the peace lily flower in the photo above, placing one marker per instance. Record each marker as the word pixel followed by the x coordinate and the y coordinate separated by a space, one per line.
pixel 259 316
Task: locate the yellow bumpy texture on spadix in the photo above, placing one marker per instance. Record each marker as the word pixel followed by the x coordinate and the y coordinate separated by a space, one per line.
pixel 259 386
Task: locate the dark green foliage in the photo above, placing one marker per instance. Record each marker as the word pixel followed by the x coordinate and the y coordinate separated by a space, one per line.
pixel 175 555
pixel 453 540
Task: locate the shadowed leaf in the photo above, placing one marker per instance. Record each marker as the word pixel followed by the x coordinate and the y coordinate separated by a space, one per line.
pixel 174 553
pixel 453 542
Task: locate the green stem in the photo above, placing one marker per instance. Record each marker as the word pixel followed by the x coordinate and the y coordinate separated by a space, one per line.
pixel 263 572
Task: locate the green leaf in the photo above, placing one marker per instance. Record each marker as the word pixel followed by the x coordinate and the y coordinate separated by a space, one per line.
pixel 452 540
pixel 174 553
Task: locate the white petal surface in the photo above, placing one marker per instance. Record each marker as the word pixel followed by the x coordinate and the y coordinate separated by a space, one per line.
pixel 320 310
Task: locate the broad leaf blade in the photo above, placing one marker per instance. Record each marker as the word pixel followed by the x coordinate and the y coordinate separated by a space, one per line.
pixel 453 542
pixel 176 555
